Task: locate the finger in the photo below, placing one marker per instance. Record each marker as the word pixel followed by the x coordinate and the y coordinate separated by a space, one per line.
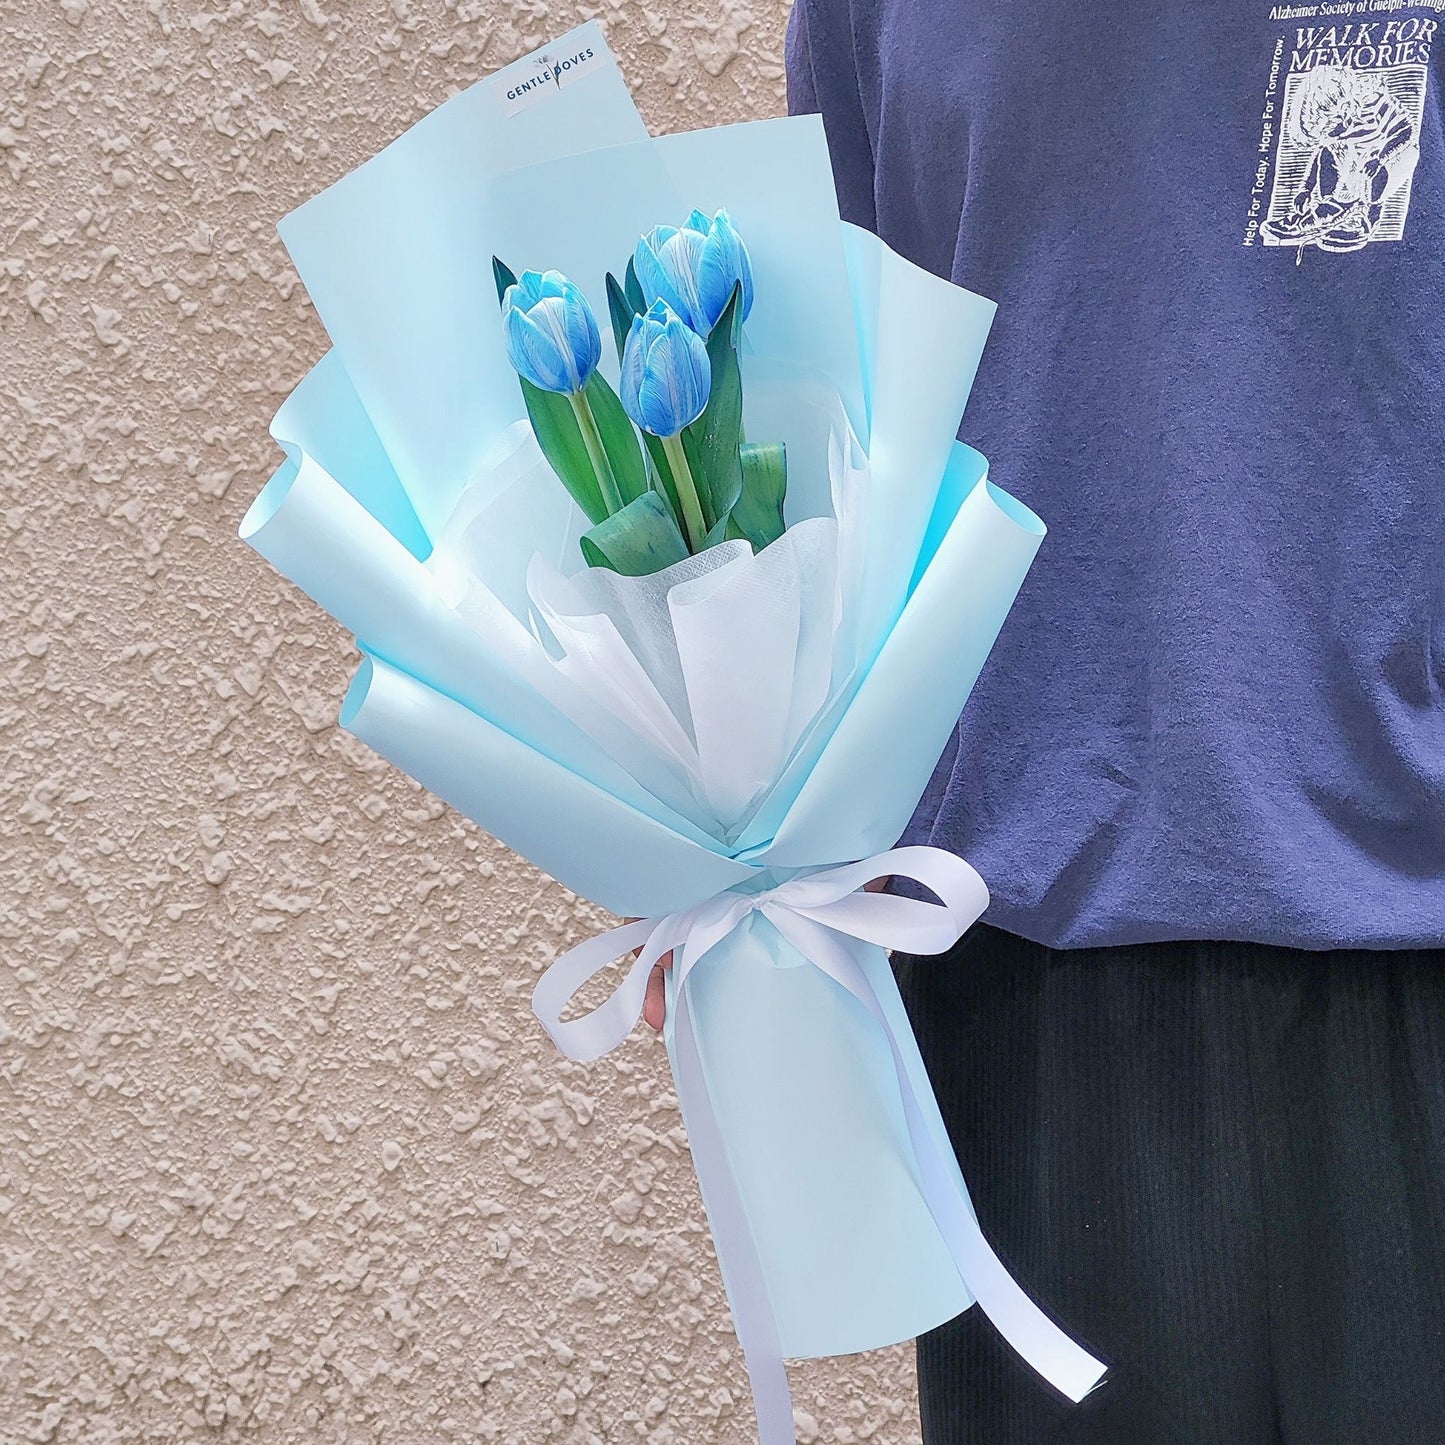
pixel 654 1006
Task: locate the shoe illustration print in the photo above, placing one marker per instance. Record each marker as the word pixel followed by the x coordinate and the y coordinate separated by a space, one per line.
pixel 1348 148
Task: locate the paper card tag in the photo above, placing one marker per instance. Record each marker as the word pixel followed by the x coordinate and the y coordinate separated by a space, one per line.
pixel 532 79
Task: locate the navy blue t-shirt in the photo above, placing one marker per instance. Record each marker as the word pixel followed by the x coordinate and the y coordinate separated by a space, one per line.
pixel 1216 234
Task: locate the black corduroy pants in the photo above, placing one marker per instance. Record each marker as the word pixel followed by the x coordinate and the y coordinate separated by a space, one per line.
pixel 1220 1166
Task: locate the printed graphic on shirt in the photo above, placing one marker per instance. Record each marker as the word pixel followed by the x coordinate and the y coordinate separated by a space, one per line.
pixel 1340 134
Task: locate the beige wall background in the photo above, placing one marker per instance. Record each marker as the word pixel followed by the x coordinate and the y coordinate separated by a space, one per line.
pixel 283 1155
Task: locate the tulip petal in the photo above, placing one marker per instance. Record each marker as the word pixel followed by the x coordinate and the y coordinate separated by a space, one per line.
pixel 729 253
pixel 683 261
pixel 533 352
pixel 652 276
pixel 552 335
pixel 634 362
pixel 667 261
pixel 665 372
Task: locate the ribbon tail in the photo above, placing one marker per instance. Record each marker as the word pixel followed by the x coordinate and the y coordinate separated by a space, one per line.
pixel 600 1031
pixel 1029 1331
pixel 752 1308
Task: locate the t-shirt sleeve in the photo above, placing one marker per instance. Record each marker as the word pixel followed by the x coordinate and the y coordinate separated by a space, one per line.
pixel 823 79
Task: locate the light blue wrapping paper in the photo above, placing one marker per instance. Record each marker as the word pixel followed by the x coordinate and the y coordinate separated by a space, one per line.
pixel 386 431
pixel 850 1251
pixel 390 258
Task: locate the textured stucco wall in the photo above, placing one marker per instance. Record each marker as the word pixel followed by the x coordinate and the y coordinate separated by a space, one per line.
pixel 282 1154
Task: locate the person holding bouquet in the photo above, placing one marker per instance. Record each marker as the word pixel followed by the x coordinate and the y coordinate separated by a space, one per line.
pixel 1193 1060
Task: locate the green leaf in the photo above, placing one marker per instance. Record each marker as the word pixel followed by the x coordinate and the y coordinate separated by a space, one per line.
pixel 618 438
pixel 632 289
pixel 717 523
pixel 641 539
pixel 560 438
pixel 504 276
pixel 758 515
pixel 712 441
pixel 723 532
pixel 621 312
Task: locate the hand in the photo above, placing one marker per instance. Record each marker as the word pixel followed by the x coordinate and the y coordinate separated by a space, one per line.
pixel 654 1006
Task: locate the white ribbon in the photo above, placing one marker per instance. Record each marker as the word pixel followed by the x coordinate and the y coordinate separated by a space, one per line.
pixel 813 911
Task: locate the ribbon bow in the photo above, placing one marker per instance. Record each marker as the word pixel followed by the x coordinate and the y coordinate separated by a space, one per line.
pixel 814 911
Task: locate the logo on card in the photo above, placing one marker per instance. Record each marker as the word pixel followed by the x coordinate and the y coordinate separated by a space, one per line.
pixel 538 76
pixel 1342 116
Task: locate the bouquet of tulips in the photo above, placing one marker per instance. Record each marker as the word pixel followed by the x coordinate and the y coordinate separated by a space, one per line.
pixel 676 323
pixel 703 681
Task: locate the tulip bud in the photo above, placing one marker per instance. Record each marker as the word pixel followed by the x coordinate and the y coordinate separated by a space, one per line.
pixel 694 268
pixel 552 336
pixel 666 381
pixel 666 373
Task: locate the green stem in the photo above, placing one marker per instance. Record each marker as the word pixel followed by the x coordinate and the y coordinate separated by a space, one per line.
pixel 692 518
pixel 597 453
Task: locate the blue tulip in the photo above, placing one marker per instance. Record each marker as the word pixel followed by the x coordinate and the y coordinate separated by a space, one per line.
pixel 694 269
pixel 666 374
pixel 552 336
